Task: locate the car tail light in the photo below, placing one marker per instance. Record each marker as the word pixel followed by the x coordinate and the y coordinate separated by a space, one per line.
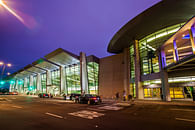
pixel 94 98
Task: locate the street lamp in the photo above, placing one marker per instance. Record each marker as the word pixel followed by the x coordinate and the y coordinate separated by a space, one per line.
pixel 4 65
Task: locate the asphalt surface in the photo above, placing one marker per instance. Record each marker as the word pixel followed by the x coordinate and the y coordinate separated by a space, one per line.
pixel 32 113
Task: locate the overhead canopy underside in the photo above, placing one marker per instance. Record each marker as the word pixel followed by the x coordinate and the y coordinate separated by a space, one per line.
pixel 164 14
pixel 52 61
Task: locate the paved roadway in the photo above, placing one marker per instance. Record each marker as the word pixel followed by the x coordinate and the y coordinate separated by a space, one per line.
pixel 32 113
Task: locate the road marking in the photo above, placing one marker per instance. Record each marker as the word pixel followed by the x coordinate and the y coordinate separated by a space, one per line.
pixel 111 108
pixel 181 119
pixel 189 110
pixel 17 107
pixel 122 104
pixel 95 109
pixel 87 114
pixel 54 115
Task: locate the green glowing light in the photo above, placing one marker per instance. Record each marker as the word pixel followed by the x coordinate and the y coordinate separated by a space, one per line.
pixel 2 82
pixel 12 82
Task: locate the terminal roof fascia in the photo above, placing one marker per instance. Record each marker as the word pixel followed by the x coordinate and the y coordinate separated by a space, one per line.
pixel 164 14
pixel 62 57
pixel 44 65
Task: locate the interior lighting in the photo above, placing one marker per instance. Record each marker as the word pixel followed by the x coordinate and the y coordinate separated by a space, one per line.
pixel 174 30
pixel 180 48
pixel 161 35
pixel 12 82
pixel 186 36
pixel 20 82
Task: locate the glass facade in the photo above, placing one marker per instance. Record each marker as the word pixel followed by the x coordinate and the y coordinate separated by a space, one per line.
pixel 93 72
pixel 73 78
pixel 55 77
pixel 149 45
pixel 132 62
pixel 133 89
pixel 176 92
pixel 43 82
pixel 20 86
pixel 34 87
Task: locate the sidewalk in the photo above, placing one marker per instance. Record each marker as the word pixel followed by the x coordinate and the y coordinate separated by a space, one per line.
pixel 174 102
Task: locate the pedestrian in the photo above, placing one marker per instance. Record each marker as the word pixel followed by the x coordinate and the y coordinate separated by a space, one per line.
pixel 117 95
pixel 124 95
pixel 130 97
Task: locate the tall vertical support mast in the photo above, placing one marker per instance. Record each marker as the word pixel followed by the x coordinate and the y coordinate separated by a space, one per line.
pixel 48 79
pixel 175 52
pixel 192 38
pixel 139 88
pixel 39 83
pixel 63 80
pixel 25 84
pixel 83 73
pixel 31 81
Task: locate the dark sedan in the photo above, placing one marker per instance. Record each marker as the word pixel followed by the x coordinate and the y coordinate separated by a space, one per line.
pixel 45 95
pixel 90 99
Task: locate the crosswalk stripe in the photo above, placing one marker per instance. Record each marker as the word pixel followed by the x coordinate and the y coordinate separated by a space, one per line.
pixel 185 120
pixel 54 115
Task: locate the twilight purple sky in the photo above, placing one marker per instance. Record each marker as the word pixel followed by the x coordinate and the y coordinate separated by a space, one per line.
pixel 75 25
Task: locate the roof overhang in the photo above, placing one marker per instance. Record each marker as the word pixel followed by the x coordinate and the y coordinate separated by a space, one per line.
pixel 62 57
pixel 164 14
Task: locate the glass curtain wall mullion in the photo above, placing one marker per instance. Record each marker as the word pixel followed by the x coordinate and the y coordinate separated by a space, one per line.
pixel 35 83
pixel 149 44
pixel 93 71
pixel 55 77
pixel 43 82
pixel 73 78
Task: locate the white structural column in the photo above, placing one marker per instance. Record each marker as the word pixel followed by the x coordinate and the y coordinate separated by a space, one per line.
pixel 31 81
pixel 16 85
pixel 25 85
pixel 83 73
pixel 126 70
pixel 38 83
pixel 11 87
pixel 192 38
pixel 48 80
pixel 138 84
pixel 63 80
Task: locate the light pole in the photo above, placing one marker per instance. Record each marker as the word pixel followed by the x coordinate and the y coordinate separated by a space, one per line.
pixel 4 66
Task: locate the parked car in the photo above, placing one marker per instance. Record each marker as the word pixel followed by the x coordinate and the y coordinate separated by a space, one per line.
pixel 72 96
pixel 45 95
pixel 13 93
pixel 90 99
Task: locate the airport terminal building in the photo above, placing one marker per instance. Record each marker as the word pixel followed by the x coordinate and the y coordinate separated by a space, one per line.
pixel 153 58
pixel 59 72
pixel 157 51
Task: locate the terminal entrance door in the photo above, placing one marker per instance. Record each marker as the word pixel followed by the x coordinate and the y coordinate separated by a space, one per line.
pixel 151 92
pixel 176 92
